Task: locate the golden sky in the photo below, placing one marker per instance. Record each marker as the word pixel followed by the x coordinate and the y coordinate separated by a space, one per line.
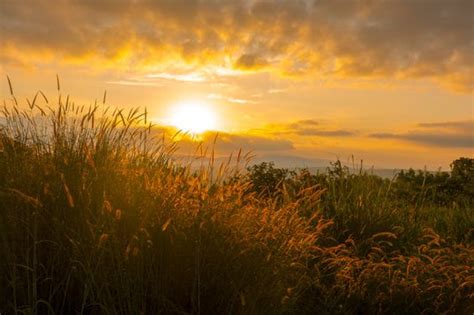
pixel 388 81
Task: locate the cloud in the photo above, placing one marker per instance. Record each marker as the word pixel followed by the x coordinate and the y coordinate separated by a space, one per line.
pixel 229 99
pixel 233 142
pixel 250 62
pixel 325 133
pixel 275 91
pixel 267 140
pixel 305 123
pixel 132 82
pixel 309 127
pixel 439 140
pixel 466 126
pixel 187 77
pixel 226 144
pixel 311 39
pixel 223 143
pixel 453 134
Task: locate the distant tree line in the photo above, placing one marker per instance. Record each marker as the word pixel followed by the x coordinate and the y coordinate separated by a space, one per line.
pixel 441 187
pixel 408 186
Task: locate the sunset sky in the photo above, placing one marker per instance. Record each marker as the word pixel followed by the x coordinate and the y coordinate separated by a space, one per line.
pixel 389 82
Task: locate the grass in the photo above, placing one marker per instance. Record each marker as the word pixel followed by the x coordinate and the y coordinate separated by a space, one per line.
pixel 98 218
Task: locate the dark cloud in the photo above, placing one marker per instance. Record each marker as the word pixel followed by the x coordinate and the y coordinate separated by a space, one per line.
pixel 439 140
pixel 324 38
pixel 222 142
pixel 304 123
pixel 309 127
pixel 250 62
pixel 325 133
pixel 466 126
pixel 454 134
pixel 233 142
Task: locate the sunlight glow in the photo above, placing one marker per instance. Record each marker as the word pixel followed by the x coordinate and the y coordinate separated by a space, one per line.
pixel 193 117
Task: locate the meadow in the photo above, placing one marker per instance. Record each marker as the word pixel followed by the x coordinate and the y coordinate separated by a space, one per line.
pixel 97 217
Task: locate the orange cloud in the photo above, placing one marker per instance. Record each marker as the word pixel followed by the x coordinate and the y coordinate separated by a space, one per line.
pixel 452 134
pixel 308 39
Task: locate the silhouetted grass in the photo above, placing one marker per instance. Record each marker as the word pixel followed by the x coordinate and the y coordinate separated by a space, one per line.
pixel 95 217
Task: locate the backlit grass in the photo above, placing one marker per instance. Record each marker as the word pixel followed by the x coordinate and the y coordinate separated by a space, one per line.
pixel 96 217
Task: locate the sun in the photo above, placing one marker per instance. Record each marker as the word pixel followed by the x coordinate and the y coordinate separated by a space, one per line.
pixel 193 117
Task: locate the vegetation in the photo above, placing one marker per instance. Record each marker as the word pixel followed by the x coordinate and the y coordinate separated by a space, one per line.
pixel 96 218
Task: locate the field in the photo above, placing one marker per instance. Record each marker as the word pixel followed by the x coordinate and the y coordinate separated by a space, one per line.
pixel 96 217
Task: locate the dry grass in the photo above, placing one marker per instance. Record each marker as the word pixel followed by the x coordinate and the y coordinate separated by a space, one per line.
pixel 97 218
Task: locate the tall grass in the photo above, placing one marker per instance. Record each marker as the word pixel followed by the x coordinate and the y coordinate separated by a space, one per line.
pixel 97 217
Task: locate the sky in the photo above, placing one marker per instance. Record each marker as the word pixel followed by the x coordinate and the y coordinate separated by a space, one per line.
pixel 389 82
